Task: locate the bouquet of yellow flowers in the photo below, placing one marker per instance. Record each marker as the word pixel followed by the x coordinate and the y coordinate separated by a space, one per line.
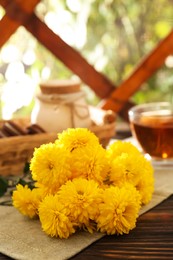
pixel 81 185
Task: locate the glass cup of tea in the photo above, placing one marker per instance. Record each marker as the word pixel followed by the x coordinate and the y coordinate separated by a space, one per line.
pixel 152 127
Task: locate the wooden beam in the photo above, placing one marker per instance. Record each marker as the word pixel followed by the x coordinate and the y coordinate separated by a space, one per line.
pixel 6 29
pixel 17 13
pixel 148 66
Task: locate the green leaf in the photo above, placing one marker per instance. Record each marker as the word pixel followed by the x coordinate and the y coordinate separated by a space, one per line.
pixel 26 168
pixel 22 182
pixel 3 186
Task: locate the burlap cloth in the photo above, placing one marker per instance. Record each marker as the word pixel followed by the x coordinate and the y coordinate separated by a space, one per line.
pixel 21 238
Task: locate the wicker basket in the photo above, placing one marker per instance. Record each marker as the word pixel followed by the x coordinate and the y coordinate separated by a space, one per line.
pixel 16 151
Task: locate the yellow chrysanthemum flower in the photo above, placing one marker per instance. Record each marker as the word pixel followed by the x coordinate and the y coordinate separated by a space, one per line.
pixel 27 201
pixel 119 147
pixel 145 185
pixel 54 219
pixel 127 164
pixel 50 166
pixel 125 168
pixel 119 210
pixel 90 163
pixel 81 198
pixel 79 184
pixel 75 138
pixel 46 190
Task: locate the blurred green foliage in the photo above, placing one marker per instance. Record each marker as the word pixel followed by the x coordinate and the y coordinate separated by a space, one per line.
pixel 112 35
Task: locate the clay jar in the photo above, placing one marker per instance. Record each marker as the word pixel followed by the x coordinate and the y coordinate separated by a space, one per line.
pixel 59 105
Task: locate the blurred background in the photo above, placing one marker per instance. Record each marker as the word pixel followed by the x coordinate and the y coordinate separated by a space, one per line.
pixel 113 36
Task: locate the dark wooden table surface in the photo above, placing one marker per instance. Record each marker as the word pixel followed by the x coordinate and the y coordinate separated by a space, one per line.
pixel 151 239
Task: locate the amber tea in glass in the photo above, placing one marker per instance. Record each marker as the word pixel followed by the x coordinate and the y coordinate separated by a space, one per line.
pixel 152 126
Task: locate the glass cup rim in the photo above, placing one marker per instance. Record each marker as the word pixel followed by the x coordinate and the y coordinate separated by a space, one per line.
pixel 148 106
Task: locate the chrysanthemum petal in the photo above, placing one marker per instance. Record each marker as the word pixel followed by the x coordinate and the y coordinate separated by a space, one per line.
pixel 75 138
pixel 90 163
pixel 27 201
pixel 50 165
pixel 81 198
pixel 54 219
pixel 118 210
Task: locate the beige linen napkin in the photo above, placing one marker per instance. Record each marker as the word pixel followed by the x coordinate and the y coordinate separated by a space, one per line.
pixel 22 238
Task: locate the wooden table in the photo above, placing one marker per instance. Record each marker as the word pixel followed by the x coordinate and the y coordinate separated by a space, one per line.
pixel 151 239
